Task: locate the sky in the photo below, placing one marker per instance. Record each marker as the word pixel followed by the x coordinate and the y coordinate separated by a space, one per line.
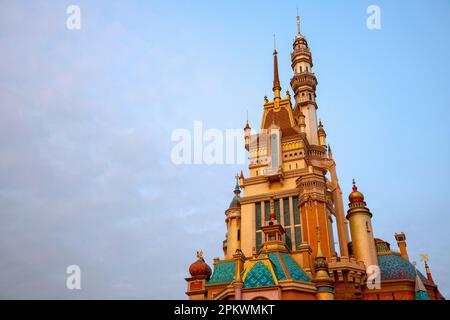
pixel 86 118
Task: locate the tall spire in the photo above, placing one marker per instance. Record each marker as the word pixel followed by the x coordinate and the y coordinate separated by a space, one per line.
pixel 424 258
pixel 237 188
pixel 276 79
pixel 298 23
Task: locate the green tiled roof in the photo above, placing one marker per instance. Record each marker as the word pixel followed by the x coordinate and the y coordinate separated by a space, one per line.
pixel 223 272
pixel 393 266
pixel 259 276
pixel 277 266
pixel 294 270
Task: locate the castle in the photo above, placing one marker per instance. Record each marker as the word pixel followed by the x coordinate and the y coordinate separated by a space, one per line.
pixel 280 242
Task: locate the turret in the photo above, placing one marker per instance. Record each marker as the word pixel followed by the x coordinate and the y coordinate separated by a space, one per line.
pixel 322 135
pixel 304 84
pixel 401 242
pixel 200 273
pixel 247 131
pixel 233 221
pixel 360 219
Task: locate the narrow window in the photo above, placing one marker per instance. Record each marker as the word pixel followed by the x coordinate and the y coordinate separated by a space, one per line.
pixel 274 150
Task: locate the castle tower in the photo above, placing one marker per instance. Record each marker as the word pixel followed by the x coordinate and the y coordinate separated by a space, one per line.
pixel 233 222
pixel 363 241
pixel 304 84
pixel 280 239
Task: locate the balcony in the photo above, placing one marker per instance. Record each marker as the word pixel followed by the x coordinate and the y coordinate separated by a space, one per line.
pixel 274 174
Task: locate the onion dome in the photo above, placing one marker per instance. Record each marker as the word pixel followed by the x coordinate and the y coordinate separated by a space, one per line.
pixel 393 266
pixel 200 267
pixel 356 196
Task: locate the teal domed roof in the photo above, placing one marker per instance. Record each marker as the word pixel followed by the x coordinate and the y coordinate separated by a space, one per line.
pixel 393 266
pixel 235 202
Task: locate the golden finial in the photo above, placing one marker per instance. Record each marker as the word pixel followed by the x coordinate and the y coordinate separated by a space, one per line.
pixel 424 258
pixel 200 254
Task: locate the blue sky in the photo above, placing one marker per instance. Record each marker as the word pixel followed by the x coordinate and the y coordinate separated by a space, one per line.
pixel 86 118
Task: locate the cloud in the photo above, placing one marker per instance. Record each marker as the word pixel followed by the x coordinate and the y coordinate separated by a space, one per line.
pixel 85 123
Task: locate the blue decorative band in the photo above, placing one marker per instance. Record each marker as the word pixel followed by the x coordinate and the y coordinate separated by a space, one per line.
pixel 325 289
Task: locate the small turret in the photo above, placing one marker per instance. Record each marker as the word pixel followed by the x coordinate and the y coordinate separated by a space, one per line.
pixel 322 135
pixel 247 131
pixel 359 216
pixel 233 221
pixel 401 242
pixel 200 272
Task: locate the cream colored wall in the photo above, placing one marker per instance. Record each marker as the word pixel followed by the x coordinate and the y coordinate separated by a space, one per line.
pixel 248 226
pixel 311 124
pixel 363 241
pixel 233 225
pixel 302 64
pixel 266 188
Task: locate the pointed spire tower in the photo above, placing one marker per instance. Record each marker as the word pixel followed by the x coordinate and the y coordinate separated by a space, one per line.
pixel 276 77
pixel 304 84
pixel 360 219
pixel 424 258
